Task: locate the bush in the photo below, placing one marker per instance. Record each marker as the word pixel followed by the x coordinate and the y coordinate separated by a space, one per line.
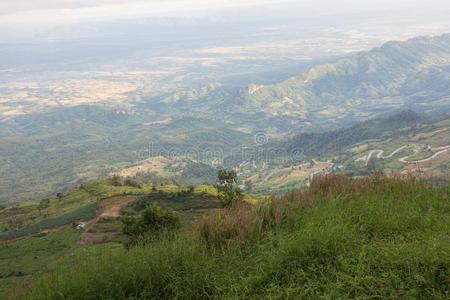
pixel 150 225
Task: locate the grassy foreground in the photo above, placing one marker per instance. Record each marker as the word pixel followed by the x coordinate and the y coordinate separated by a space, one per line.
pixel 373 238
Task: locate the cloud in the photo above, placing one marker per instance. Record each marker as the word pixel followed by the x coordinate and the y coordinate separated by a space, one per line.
pixel 79 10
pixel 16 11
pixel 27 17
pixel 22 19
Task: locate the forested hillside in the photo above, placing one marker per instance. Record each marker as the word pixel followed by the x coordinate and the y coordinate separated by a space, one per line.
pixel 414 74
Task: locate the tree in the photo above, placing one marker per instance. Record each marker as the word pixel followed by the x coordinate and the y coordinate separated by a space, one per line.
pixel 227 192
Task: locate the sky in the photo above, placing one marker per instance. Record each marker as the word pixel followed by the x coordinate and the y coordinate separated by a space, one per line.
pixel 19 17
pixel 24 11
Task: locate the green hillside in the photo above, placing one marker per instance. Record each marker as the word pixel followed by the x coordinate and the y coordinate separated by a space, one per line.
pixel 334 141
pixel 388 144
pixel 411 74
pixel 369 238
pixel 43 153
pixel 83 143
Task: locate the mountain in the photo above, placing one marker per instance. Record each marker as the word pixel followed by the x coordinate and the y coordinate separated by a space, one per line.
pixel 401 143
pixel 413 74
pixel 84 141
pixel 333 141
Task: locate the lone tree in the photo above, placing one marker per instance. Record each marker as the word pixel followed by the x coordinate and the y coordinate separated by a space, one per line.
pixel 227 192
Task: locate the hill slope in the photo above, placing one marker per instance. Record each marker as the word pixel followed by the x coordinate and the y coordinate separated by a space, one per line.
pixel 368 238
pixel 415 74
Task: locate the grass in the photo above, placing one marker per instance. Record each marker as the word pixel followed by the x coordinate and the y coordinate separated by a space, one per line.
pixel 29 213
pixel 84 213
pixel 374 238
pixel 21 259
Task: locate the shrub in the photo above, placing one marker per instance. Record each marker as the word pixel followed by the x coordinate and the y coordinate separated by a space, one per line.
pixel 150 225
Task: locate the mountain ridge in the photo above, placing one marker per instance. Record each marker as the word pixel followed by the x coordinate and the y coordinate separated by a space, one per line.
pixel 352 83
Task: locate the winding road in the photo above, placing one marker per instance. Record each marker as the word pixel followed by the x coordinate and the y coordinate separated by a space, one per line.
pixel 379 154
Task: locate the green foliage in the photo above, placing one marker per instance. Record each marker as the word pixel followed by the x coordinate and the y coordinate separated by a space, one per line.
pixel 227 193
pixel 336 140
pixel 178 199
pixel 84 153
pixel 132 183
pixel 150 225
pixel 84 213
pixel 33 256
pixel 361 239
pixel 363 82
pixel 116 180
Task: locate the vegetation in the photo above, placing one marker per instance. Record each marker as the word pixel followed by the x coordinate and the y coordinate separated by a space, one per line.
pixel 79 203
pixel 150 225
pixel 84 213
pixel 227 192
pixel 24 258
pixel 332 142
pixel 366 82
pixel 374 237
pixel 177 198
pixel 84 153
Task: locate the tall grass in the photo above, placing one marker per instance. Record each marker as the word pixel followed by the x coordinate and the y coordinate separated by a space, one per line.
pixel 372 238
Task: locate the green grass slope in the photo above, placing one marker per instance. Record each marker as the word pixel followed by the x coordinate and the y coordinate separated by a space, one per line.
pixel 372 238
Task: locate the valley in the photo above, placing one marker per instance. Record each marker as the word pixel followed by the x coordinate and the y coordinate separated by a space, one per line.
pixel 123 118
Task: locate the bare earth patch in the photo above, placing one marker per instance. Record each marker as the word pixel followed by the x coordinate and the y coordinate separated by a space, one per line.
pixel 110 208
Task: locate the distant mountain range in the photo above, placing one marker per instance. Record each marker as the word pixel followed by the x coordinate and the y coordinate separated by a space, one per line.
pixel 413 74
pixel 309 110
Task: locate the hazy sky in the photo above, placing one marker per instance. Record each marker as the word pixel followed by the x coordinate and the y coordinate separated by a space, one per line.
pixel 24 11
pixel 26 17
